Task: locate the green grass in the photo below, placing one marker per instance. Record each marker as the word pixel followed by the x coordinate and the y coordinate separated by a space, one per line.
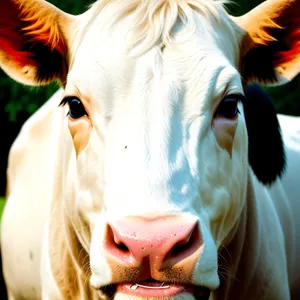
pixel 2 203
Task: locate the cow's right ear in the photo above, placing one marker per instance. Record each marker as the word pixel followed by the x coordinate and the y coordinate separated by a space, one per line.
pixel 33 48
pixel 265 145
pixel 270 42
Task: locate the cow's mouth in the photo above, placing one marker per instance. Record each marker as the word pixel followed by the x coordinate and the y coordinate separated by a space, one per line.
pixel 157 289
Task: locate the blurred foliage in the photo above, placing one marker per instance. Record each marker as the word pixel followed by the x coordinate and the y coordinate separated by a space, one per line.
pixel 27 99
pixel 22 98
pixel 2 203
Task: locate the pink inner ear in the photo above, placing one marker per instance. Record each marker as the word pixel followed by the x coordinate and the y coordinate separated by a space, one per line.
pixel 292 38
pixel 12 45
pixel 11 39
pixel 21 26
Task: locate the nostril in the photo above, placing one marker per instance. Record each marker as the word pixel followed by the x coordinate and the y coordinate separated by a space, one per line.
pixel 178 249
pixel 113 243
pixel 181 246
pixel 187 245
pixel 122 247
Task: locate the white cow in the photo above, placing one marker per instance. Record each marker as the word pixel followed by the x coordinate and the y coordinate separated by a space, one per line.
pixel 156 172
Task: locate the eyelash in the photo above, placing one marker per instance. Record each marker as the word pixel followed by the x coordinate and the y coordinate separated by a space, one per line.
pixel 76 108
pixel 228 107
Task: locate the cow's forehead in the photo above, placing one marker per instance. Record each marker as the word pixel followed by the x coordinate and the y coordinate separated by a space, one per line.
pixel 196 52
pixel 154 97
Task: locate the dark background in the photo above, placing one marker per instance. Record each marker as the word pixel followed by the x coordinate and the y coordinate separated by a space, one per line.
pixel 18 102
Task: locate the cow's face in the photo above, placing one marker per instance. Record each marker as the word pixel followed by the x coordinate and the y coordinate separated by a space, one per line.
pixel 156 148
pixel 161 150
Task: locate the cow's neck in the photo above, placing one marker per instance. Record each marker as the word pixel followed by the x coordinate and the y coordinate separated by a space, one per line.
pixel 240 263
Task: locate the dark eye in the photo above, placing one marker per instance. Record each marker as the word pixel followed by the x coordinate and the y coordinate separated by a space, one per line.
pixel 76 110
pixel 228 108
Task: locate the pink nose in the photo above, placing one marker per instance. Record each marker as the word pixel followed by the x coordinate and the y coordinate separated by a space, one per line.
pixel 160 242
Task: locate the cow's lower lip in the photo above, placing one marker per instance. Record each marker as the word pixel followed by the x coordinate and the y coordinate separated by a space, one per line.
pixel 159 289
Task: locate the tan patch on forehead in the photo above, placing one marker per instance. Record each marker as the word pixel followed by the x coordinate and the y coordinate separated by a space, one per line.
pixel 224 131
pixel 80 130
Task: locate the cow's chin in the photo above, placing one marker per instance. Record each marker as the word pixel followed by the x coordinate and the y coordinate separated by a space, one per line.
pixel 162 292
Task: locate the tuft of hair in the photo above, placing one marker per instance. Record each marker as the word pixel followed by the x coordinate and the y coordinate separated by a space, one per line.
pixel 154 20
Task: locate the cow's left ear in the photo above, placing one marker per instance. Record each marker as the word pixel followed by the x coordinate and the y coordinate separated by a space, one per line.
pixel 266 148
pixel 33 44
pixel 270 41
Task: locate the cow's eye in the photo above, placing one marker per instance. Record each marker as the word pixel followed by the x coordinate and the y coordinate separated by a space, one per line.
pixel 76 108
pixel 228 108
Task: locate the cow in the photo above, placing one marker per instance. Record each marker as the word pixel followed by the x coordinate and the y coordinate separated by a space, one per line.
pixel 158 170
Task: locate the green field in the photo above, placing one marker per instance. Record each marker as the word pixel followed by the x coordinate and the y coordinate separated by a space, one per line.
pixel 2 202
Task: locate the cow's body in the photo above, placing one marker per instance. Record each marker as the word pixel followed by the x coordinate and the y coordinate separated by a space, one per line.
pixel 271 217
pixel 146 178
pixel 36 143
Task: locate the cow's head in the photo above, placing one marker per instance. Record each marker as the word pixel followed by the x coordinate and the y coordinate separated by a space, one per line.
pixel 155 154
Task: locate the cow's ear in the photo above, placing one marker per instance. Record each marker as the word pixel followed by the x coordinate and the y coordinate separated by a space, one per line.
pixel 33 48
pixel 270 42
pixel 266 148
